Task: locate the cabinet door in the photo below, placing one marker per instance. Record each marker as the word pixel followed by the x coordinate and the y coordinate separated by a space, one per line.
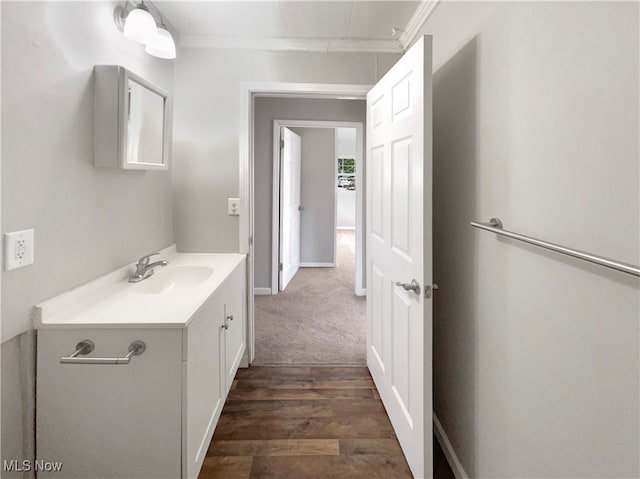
pixel 108 421
pixel 204 379
pixel 235 334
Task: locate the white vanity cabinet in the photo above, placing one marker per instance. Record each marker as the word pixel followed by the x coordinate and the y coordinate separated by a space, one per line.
pixel 153 417
pixel 215 345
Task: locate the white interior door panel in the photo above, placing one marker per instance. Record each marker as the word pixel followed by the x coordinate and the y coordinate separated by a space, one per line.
pixel 399 244
pixel 290 181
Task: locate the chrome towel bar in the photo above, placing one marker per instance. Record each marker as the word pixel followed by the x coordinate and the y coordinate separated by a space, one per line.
pixel 84 347
pixel 495 226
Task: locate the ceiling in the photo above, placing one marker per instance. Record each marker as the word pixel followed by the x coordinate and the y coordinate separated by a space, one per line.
pixel 362 25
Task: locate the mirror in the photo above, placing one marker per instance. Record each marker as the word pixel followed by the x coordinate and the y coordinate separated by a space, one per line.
pixel 132 121
pixel 144 126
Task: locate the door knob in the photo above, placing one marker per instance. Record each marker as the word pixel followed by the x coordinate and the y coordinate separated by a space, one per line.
pixel 413 286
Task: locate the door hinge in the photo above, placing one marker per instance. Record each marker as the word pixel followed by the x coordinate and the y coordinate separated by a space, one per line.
pixel 250 240
pixel 281 143
pixel 280 267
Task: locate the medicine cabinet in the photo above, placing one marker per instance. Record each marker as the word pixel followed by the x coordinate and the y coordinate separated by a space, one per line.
pixel 132 121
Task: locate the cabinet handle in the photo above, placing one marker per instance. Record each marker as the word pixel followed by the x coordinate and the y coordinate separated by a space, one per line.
pixel 227 318
pixel 84 347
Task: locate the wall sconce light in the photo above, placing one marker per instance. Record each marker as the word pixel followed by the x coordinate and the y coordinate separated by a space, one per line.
pixel 162 44
pixel 139 25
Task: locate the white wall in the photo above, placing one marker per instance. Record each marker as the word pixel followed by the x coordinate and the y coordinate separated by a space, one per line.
pixel 317 195
pixel 346 142
pixel 536 121
pixel 207 93
pixel 87 221
pixel 346 209
pixel 267 110
pixel 346 198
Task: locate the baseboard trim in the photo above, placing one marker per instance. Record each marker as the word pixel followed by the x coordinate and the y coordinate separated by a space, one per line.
pixel 447 448
pixel 244 362
pixel 309 365
pixel 262 291
pixel 317 265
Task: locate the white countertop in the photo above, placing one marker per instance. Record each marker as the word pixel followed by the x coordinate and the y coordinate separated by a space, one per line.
pixel 110 301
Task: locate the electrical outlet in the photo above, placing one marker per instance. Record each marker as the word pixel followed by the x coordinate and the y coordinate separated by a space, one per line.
pixel 18 249
pixel 234 206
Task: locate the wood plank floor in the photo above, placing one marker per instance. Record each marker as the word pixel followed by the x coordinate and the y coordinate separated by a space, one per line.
pixel 306 423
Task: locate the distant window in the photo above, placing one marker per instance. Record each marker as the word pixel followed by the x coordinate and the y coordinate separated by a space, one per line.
pixel 347 173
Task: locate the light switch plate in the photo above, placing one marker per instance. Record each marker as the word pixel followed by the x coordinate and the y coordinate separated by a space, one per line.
pixel 18 249
pixel 234 206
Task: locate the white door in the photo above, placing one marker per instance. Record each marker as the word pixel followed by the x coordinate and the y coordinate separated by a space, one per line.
pixel 290 174
pixel 399 134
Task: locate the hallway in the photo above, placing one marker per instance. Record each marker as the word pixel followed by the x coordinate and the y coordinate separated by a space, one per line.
pixel 307 423
pixel 318 319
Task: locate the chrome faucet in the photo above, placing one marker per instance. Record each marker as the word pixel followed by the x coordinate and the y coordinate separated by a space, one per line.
pixel 144 269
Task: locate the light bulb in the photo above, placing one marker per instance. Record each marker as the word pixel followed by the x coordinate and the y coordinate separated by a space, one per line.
pixel 140 26
pixel 161 45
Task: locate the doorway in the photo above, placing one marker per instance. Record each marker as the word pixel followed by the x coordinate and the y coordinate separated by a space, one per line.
pixel 313 315
pixel 250 91
pixel 319 219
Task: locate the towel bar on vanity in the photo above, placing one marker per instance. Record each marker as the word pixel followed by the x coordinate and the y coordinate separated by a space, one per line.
pixel 85 346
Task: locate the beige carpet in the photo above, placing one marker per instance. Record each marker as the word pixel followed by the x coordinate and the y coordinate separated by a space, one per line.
pixel 318 319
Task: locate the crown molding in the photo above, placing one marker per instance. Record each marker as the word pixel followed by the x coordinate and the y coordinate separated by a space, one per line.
pixel 424 10
pixel 293 44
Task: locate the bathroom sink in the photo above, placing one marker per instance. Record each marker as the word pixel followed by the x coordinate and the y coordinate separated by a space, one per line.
pixel 173 279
